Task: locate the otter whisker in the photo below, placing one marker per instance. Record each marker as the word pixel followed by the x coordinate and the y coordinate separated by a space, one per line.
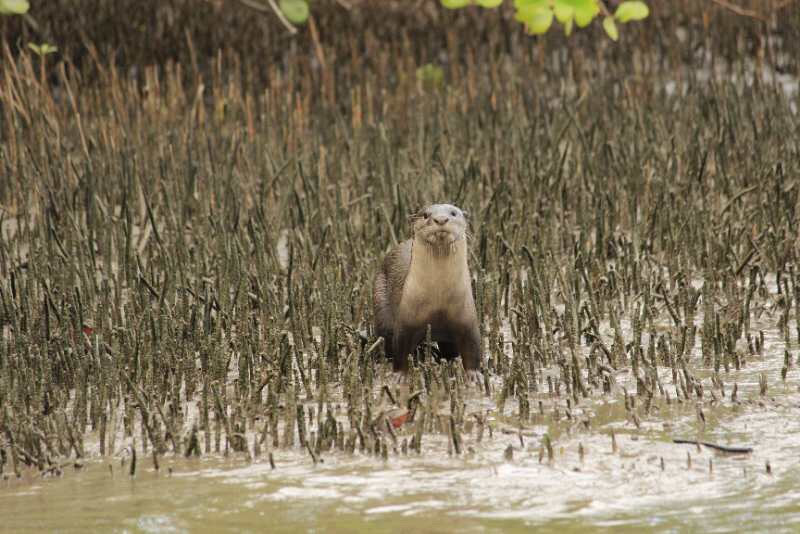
pixel 442 250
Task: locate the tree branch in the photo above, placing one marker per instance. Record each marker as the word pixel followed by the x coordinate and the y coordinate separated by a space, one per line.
pixel 740 10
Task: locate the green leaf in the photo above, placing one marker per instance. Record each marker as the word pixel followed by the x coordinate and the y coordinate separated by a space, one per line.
pixel 585 12
pixel 14 7
pixel 582 12
pixel 563 11
pixel 527 4
pixel 611 28
pixel 537 18
pixel 295 10
pixel 42 49
pixel 489 4
pixel 455 4
pixel 628 11
pixel 541 22
pixel 568 28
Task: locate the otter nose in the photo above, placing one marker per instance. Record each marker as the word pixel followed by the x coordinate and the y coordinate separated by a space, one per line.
pixel 440 219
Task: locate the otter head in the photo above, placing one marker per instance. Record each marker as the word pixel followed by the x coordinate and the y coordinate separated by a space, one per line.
pixel 440 227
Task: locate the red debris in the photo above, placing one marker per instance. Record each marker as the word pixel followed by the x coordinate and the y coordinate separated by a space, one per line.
pixel 398 421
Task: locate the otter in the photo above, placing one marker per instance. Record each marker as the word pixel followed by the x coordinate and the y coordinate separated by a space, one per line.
pixel 425 281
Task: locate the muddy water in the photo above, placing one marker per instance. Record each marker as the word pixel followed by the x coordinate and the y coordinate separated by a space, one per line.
pixel 622 488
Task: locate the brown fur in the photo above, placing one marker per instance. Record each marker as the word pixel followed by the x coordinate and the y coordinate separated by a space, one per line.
pixel 425 281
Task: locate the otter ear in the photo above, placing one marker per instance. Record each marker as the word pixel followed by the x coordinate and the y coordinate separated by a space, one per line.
pixel 466 214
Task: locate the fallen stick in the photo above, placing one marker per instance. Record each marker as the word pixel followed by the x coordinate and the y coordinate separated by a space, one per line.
pixel 723 448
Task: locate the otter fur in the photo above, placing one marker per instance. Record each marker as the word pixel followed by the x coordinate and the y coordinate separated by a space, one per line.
pixel 425 281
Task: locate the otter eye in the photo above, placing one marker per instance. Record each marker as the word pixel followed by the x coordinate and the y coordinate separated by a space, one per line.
pixel 453 213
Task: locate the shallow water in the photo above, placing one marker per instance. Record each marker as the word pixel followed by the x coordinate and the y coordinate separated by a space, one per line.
pixel 479 490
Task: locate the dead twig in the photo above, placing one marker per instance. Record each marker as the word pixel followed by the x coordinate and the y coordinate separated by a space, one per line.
pixel 722 448
pixel 744 12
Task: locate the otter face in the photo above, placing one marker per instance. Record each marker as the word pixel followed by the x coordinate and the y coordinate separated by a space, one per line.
pixel 440 226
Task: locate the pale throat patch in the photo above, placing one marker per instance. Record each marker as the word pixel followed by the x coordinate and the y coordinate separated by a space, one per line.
pixel 438 279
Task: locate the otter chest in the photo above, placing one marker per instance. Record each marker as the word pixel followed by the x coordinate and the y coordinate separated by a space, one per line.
pixel 439 295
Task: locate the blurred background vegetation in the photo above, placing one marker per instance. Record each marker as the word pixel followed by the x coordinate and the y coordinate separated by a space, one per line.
pixel 196 33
